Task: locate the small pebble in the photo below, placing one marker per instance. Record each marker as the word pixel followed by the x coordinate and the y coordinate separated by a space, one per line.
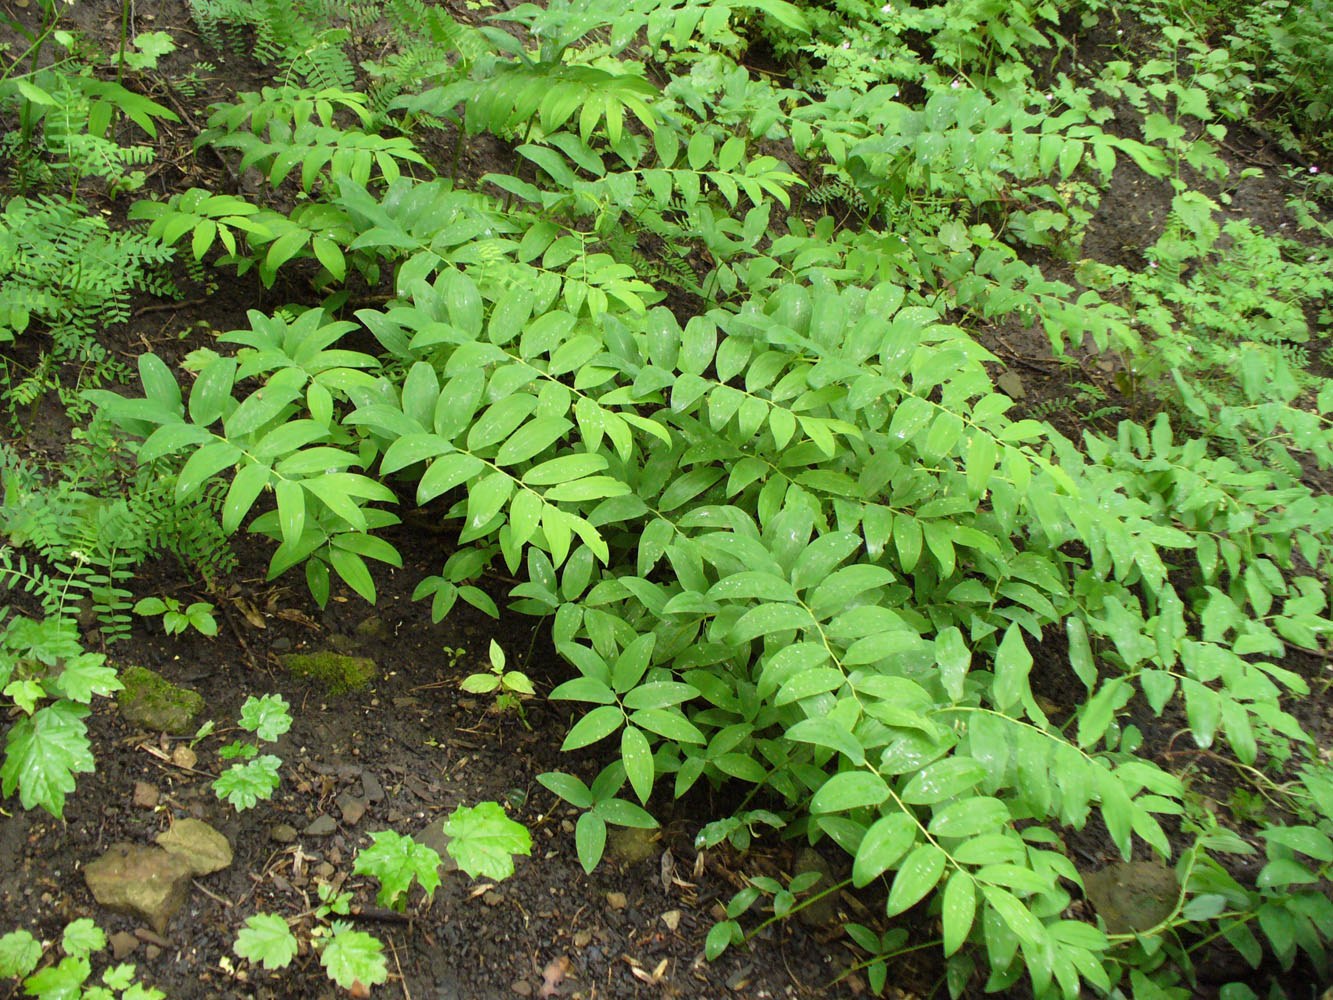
pixel 123 944
pixel 371 787
pixel 321 826
pixel 352 808
pixel 282 833
pixel 145 795
pixel 184 757
pixel 616 900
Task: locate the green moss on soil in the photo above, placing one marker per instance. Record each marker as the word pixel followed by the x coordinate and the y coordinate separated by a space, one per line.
pixel 337 672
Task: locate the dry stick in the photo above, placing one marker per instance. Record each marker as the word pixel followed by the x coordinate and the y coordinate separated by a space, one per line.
pixel 168 306
pixel 231 623
pixel 166 763
pixel 213 895
pixel 407 994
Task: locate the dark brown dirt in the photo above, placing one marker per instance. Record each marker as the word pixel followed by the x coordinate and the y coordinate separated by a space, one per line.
pixel 631 929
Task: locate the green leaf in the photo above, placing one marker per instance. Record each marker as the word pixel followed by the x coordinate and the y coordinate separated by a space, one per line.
pixel 86 675
pixel 670 724
pixel 486 497
pixel 1303 839
pixel 248 483
pixel 1013 663
pixel 637 757
pixel 809 684
pixel 397 861
pixel 291 511
pixel 354 959
pixel 953 658
pixel 59 982
pixel 244 785
pixel 1097 714
pixel 568 787
pixel 598 724
pixel 1080 652
pixel 828 733
pixel 944 779
pixel 33 93
pixel 484 841
pixel 205 463
pixel 720 937
pixel 268 717
pixel 563 469
pixel 887 840
pixel 531 439
pixel 849 790
pixel 447 472
pixel 969 817
pixel 43 752
pixel 590 840
pixel 632 662
pixel 267 940
pixel 958 910
pixel 623 813
pixel 19 954
pixel 158 383
pixel 211 394
pixel 1016 916
pixel 917 876
pixel 82 937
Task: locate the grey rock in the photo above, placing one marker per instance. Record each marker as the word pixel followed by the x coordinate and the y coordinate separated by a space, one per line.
pixel 1011 385
pixel 371 787
pixel 150 701
pixel 123 944
pixel 344 643
pixel 201 847
pixel 352 808
pixel 321 826
pixel 144 882
pixel 282 833
pixel 631 845
pixel 823 912
pixel 374 627
pixel 1132 896
pixel 433 836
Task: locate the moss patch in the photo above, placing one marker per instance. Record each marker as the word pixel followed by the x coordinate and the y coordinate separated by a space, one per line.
pixel 337 672
pixel 150 701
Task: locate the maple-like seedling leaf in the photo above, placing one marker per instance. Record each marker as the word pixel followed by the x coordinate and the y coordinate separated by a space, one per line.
pixel 59 982
pixel 266 939
pixel 245 784
pixel 267 717
pixel 354 957
pixel 19 954
pixel 82 937
pixel 396 860
pixel 43 753
pixel 484 840
pixel 86 675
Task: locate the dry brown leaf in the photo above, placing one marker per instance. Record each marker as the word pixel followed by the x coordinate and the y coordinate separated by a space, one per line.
pixel 183 756
pixel 553 975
